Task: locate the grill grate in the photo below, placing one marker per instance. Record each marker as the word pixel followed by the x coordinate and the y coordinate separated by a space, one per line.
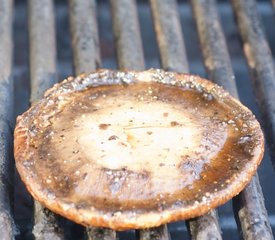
pixel 127 34
pixel 260 62
pixel 84 34
pixel 6 119
pixel 249 204
pixel 250 212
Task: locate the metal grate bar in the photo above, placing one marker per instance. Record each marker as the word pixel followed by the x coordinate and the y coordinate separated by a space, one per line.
pixel 169 35
pixel 84 31
pixel 249 205
pixel 42 47
pixel 219 70
pixel 127 34
pixel 218 64
pixel 6 120
pixel 84 35
pixel 94 233
pixel 260 61
pixel 205 227
pixel 213 45
pixel 43 76
pixel 158 233
pixel 130 56
pixel 173 57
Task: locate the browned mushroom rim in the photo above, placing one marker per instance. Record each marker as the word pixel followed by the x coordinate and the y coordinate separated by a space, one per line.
pixel 136 149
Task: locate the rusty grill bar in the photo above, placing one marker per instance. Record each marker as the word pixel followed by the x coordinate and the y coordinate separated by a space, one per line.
pixel 216 59
pixel 6 120
pixel 260 62
pixel 127 34
pixel 169 35
pixel 250 212
pixel 86 58
pixel 42 76
pixel 84 35
pixel 130 56
pixel 173 57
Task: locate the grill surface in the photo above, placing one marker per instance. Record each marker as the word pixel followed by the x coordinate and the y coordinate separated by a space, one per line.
pixel 77 33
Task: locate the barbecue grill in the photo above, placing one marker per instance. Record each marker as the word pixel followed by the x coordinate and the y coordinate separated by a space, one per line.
pixel 76 27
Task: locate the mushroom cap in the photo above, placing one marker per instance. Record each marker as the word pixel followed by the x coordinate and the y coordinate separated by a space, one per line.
pixel 130 150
